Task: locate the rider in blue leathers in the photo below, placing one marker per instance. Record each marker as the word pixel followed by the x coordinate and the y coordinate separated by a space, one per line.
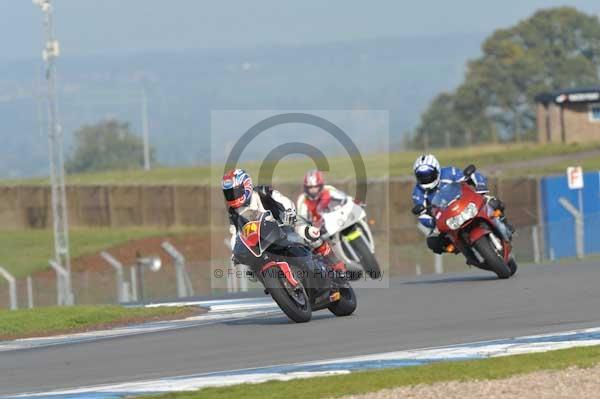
pixel 430 179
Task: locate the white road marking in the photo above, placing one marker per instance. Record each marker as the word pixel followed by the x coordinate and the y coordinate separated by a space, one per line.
pixel 219 311
pixel 475 350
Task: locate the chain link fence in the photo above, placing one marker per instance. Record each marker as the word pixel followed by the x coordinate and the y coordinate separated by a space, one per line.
pixel 399 258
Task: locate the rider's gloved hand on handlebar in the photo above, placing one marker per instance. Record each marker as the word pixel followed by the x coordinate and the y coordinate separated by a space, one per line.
pixel 312 233
pixel 289 216
pixel 360 202
pixel 495 203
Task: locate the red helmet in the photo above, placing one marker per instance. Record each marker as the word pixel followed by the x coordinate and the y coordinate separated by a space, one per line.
pixel 237 187
pixel 313 184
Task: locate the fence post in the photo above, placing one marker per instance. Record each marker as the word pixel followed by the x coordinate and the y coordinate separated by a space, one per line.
pixel 537 258
pixel 579 226
pixel 439 264
pixel 244 279
pixel 184 284
pixel 12 287
pixel 29 292
pixel 230 282
pixel 134 285
pixel 122 294
pixel 62 290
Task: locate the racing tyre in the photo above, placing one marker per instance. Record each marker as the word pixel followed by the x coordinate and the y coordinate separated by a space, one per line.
pixel 512 265
pixel 346 305
pixel 367 258
pixel 292 301
pixel 492 258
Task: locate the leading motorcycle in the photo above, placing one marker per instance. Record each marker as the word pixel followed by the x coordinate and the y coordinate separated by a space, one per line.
pixel 473 227
pixel 297 279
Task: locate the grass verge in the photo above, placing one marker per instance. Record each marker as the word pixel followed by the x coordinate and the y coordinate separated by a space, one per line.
pixel 58 320
pixel 372 381
pixel 588 165
pixel 31 249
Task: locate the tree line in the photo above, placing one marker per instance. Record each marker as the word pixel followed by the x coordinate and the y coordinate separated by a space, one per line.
pixel 554 49
pixel 106 145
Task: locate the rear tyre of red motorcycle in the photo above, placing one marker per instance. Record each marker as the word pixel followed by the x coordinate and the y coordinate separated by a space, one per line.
pixel 294 303
pixel 346 305
pixel 492 258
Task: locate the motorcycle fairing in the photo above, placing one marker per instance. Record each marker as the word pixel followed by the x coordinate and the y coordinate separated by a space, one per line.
pixel 285 268
pixel 250 236
pixel 346 215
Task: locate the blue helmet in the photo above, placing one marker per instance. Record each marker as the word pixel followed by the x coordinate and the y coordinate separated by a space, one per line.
pixel 427 171
pixel 237 188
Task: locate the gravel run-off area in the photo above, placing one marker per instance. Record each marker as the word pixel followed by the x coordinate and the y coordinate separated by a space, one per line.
pixel 568 383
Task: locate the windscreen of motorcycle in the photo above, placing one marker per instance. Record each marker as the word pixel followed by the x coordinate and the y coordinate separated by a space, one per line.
pixel 335 219
pixel 447 195
pixel 249 233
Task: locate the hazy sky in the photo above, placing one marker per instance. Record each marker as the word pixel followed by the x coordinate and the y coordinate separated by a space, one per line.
pixel 106 26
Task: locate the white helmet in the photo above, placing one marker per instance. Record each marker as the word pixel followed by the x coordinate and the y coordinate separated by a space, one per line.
pixel 427 171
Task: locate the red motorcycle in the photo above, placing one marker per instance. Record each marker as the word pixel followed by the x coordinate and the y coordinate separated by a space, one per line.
pixel 472 226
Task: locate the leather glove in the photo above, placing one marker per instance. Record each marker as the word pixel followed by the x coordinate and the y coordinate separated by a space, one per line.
pixel 289 216
pixel 495 203
pixel 312 233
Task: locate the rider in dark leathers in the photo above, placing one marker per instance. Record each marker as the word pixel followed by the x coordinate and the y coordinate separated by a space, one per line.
pixel 241 196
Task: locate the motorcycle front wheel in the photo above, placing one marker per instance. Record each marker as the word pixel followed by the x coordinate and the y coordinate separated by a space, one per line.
pixel 513 267
pixel 366 258
pixel 492 258
pixel 293 301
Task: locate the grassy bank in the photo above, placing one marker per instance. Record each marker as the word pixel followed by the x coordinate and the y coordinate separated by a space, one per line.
pixel 378 165
pixel 57 320
pixel 30 250
pixel 372 381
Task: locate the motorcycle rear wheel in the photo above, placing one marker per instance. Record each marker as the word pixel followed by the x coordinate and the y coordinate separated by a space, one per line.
pixel 492 259
pixel 346 305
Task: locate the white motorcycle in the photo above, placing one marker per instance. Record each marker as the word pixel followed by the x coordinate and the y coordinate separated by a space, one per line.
pixel 346 228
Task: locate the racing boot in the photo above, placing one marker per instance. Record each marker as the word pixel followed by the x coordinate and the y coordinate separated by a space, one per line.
pixel 498 207
pixel 332 262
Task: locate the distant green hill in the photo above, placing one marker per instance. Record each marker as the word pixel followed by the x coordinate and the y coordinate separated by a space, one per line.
pixel 399 75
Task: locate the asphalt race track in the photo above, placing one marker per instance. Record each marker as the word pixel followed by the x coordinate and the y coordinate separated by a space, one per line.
pixel 413 313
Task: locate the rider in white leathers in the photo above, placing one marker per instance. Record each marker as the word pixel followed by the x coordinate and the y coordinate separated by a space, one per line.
pixel 316 198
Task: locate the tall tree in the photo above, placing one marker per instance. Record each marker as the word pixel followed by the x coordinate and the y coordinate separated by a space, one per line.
pixel 554 49
pixel 439 124
pixel 107 145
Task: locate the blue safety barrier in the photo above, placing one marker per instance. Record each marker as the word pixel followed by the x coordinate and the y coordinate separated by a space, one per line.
pixel 559 223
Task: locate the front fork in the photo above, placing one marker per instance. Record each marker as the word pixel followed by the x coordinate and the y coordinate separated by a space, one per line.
pixel 503 230
pixel 500 239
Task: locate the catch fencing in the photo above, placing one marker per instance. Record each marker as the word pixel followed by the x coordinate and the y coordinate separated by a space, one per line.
pixel 400 245
pixel 179 278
